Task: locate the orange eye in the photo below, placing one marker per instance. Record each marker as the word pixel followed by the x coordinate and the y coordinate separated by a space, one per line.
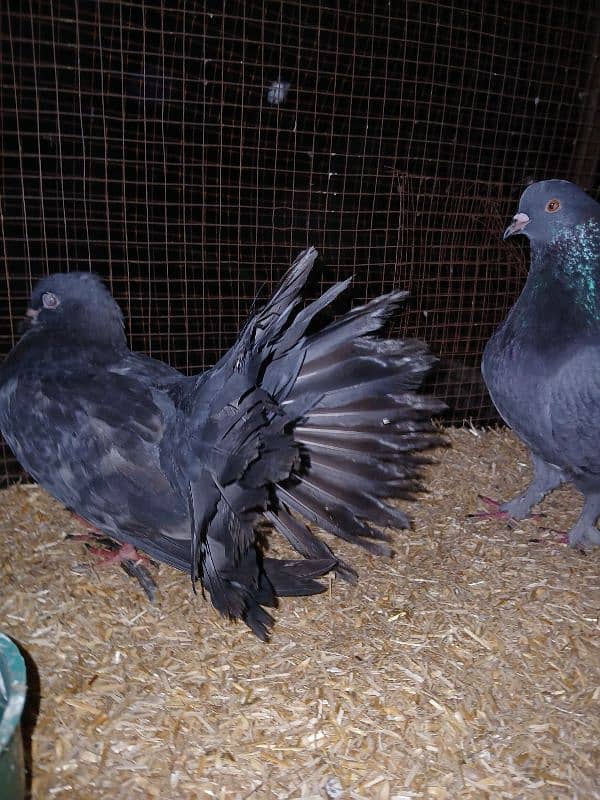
pixel 552 206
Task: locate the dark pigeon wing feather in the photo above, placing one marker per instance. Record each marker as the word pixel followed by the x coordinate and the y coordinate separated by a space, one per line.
pixel 100 458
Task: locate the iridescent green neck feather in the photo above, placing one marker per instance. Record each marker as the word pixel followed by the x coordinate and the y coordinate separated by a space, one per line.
pixel 571 261
pixel 581 265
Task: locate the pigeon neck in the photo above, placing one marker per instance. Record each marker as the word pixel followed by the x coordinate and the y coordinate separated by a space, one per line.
pixel 111 336
pixel 92 333
pixel 570 263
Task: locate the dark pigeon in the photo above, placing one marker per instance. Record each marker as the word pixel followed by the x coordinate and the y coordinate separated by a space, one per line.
pixel 301 421
pixel 542 366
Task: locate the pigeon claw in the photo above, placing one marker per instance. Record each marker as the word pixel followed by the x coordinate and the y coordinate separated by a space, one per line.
pixel 110 552
pixel 494 511
pixel 561 537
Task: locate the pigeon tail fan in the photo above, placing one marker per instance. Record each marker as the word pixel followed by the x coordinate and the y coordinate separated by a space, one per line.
pixel 330 430
pixel 359 424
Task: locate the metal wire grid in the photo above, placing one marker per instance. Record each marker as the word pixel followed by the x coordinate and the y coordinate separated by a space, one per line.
pixel 139 140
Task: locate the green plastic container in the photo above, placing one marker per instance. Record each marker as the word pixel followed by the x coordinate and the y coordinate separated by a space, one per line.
pixel 13 686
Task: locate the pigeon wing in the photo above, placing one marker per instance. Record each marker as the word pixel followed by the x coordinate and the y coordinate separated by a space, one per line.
pixel 93 439
pixel 574 410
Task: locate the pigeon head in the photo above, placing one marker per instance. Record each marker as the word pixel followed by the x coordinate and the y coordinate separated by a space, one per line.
pixel 78 303
pixel 548 209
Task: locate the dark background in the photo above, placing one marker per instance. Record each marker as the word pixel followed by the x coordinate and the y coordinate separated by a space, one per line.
pixel 137 141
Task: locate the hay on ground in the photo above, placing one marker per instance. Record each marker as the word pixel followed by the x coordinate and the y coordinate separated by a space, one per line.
pixel 466 667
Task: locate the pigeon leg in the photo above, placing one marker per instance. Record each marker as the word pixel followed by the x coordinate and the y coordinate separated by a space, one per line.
pixel 110 552
pixel 585 533
pixel 546 477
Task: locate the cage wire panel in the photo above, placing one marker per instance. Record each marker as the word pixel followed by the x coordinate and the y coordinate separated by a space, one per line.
pixel 188 151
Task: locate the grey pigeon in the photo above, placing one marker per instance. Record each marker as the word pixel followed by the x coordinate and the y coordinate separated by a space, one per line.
pixel 542 366
pixel 303 420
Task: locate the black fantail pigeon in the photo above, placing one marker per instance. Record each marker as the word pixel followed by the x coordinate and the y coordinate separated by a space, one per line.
pixel 302 420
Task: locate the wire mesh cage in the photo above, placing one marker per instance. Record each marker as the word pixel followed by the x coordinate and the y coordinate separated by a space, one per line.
pixel 188 151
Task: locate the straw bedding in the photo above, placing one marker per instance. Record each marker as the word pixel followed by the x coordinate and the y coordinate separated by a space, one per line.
pixel 466 667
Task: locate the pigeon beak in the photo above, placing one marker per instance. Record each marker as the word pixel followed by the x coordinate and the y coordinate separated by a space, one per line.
pixel 519 222
pixel 28 320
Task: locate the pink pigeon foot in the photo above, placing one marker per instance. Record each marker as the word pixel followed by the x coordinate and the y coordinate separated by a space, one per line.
pixel 495 511
pixel 562 537
pixel 110 552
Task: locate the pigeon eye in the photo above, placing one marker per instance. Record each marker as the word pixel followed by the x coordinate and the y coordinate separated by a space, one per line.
pixel 552 206
pixel 50 300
